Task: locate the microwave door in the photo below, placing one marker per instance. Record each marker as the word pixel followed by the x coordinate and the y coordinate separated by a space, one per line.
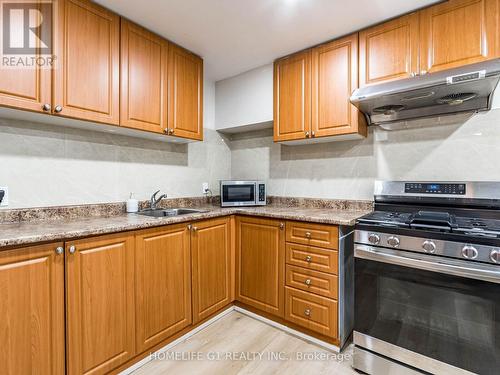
pixel 238 194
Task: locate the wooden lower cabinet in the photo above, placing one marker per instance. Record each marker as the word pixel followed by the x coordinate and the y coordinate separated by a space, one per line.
pixel 32 310
pixel 211 252
pixel 100 316
pixel 260 263
pixel 163 283
pixel 318 314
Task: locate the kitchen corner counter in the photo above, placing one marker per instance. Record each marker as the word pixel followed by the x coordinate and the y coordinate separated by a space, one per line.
pixel 29 232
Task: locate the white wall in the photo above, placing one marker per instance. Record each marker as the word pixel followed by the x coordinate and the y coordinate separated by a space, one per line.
pixel 47 165
pixel 460 148
pixel 245 99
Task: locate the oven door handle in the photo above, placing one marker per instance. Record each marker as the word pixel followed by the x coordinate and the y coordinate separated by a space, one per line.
pixel 455 267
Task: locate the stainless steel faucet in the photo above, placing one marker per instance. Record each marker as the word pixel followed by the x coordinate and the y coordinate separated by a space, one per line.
pixel 154 201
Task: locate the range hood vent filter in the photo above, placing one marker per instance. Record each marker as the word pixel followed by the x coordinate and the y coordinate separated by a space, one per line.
pixel 455 99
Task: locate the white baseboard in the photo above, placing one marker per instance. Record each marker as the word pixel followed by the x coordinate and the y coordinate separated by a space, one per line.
pixel 289 330
pixel 270 322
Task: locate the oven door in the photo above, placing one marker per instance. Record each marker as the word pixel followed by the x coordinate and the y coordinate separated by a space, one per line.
pixel 238 194
pixel 439 317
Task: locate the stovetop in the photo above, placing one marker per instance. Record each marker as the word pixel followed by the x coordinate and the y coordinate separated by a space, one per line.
pixel 432 221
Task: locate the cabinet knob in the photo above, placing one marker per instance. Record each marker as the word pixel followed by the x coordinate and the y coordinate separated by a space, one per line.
pixel 72 249
pixel 58 108
pixel 190 227
pixel 165 131
pixel 171 131
pixel 307 312
pixel 313 134
pixel 308 259
pixel 413 74
pixel 308 234
pixel 59 250
pixel 423 72
pixel 307 134
pixel 307 282
pixel 282 226
pixel 46 107
pixel 195 229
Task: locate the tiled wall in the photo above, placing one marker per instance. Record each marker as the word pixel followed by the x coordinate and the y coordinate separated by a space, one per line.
pixel 460 148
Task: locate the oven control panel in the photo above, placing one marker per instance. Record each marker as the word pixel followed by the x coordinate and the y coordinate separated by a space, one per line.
pixel 434 188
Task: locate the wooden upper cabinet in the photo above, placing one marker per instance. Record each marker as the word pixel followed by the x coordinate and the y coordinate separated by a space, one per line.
pixel 32 306
pixel 211 267
pixel 260 264
pixel 458 32
pixel 292 97
pixel 163 283
pixel 334 78
pixel 25 88
pixel 185 90
pixel 86 77
pixel 100 318
pixel 143 91
pixel 389 51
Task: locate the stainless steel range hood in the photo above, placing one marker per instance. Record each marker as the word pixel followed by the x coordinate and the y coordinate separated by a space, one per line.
pixel 464 89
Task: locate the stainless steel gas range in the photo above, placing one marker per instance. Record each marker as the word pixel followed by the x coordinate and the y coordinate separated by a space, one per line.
pixel 427 280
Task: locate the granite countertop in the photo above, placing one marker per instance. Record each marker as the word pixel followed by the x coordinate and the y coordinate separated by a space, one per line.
pixel 24 233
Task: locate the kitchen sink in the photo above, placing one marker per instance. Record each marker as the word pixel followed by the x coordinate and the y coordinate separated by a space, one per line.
pixel 166 212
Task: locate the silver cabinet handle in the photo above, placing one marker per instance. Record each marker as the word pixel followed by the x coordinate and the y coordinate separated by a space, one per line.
pixel 307 312
pixel 58 108
pixel 308 259
pixel 413 74
pixel 282 226
pixel 461 268
pixel 313 134
pixel 308 234
pixel 190 227
pixel 59 250
pixel 171 131
pixel 46 107
pixel 195 229
pixel 423 72
pixel 307 282
pixel 72 249
pixel 165 131
pixel 307 134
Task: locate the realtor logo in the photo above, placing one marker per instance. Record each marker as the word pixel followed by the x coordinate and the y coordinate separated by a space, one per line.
pixel 26 33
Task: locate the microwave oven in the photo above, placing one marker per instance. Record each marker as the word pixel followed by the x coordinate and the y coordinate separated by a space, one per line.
pixel 242 193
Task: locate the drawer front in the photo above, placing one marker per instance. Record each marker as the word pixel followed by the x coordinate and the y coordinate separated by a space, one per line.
pixel 316 313
pixel 323 284
pixel 312 258
pixel 321 235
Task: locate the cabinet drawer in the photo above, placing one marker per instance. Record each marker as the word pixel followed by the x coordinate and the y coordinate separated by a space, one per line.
pixel 320 283
pixel 313 258
pixel 312 234
pixel 316 313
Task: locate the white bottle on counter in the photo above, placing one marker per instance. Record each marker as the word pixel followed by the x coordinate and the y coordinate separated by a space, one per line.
pixel 132 204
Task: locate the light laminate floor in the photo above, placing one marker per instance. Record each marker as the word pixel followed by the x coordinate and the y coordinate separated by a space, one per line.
pixel 239 344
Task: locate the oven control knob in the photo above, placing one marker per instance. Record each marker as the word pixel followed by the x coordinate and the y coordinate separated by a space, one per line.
pixel 393 241
pixel 469 252
pixel 495 256
pixel 374 238
pixel 429 246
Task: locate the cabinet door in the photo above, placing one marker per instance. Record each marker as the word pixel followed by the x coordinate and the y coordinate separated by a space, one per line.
pixel 260 264
pixel 143 79
pixel 185 102
pixel 389 51
pixel 100 303
pixel 334 78
pixel 211 265
pixel 32 310
pixel 458 32
pixel 292 97
pixel 163 288
pixel 86 78
pixel 24 87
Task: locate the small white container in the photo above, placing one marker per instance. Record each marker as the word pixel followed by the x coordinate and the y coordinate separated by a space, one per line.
pixel 132 204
